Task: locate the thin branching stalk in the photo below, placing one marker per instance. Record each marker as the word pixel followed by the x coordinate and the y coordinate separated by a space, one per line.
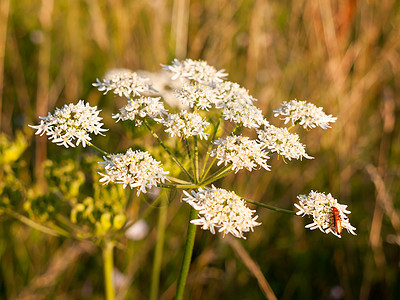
pixel 108 263
pixel 152 206
pixel 177 186
pixel 177 180
pixel 98 149
pixel 56 231
pixel 167 149
pixel 291 212
pixel 72 227
pixel 196 160
pixel 158 254
pixel 191 233
pixel 204 174
pixel 235 128
pixel 190 156
pixel 208 169
pixel 217 175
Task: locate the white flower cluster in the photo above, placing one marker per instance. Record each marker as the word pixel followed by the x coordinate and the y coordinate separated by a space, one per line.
pixel 123 83
pixel 71 122
pixel 186 124
pixel 321 208
pixel 241 152
pixel 134 168
pixel 281 141
pixel 208 88
pixel 196 70
pixel 237 105
pixel 222 210
pixel 197 95
pixel 304 113
pixel 139 108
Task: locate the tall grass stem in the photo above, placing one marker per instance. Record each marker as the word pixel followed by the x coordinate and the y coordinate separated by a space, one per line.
pixel 191 233
pixel 108 262
pixel 158 254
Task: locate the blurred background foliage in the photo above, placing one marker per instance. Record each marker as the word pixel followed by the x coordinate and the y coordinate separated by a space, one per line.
pixel 342 55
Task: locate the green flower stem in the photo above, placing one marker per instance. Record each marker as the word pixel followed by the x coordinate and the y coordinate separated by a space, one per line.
pixel 158 254
pixel 196 160
pixel 208 169
pixel 203 175
pixel 190 156
pixel 152 206
pixel 177 186
pixel 191 233
pixel 98 149
pixel 168 151
pixel 52 231
pixel 177 180
pixel 72 226
pixel 108 262
pixel 291 212
pixel 223 174
pixel 217 175
pixel 235 128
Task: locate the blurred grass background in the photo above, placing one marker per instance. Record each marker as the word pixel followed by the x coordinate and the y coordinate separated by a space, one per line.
pixel 342 55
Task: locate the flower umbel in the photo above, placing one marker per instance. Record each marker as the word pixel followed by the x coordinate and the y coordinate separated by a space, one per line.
pixel 304 113
pixel 71 122
pixel 197 95
pixel 281 141
pixel 196 70
pixel 123 83
pixel 186 124
pixel 241 152
pixel 134 168
pixel 139 108
pixel 237 105
pixel 320 207
pixel 222 210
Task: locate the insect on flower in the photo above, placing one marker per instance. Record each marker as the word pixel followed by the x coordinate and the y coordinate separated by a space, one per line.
pixel 337 221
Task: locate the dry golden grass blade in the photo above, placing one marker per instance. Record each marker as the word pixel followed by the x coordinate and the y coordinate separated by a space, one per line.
pixel 43 73
pixel 252 266
pixel 18 72
pixel 180 27
pixel 383 197
pixel 98 24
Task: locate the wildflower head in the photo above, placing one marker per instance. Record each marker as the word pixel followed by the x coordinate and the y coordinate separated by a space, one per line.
pixel 134 168
pixel 321 208
pixel 186 124
pixel 237 105
pixel 281 141
pixel 305 114
pixel 241 152
pixel 139 108
pixel 222 210
pixel 197 95
pixel 195 70
pixel 123 82
pixel 70 125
